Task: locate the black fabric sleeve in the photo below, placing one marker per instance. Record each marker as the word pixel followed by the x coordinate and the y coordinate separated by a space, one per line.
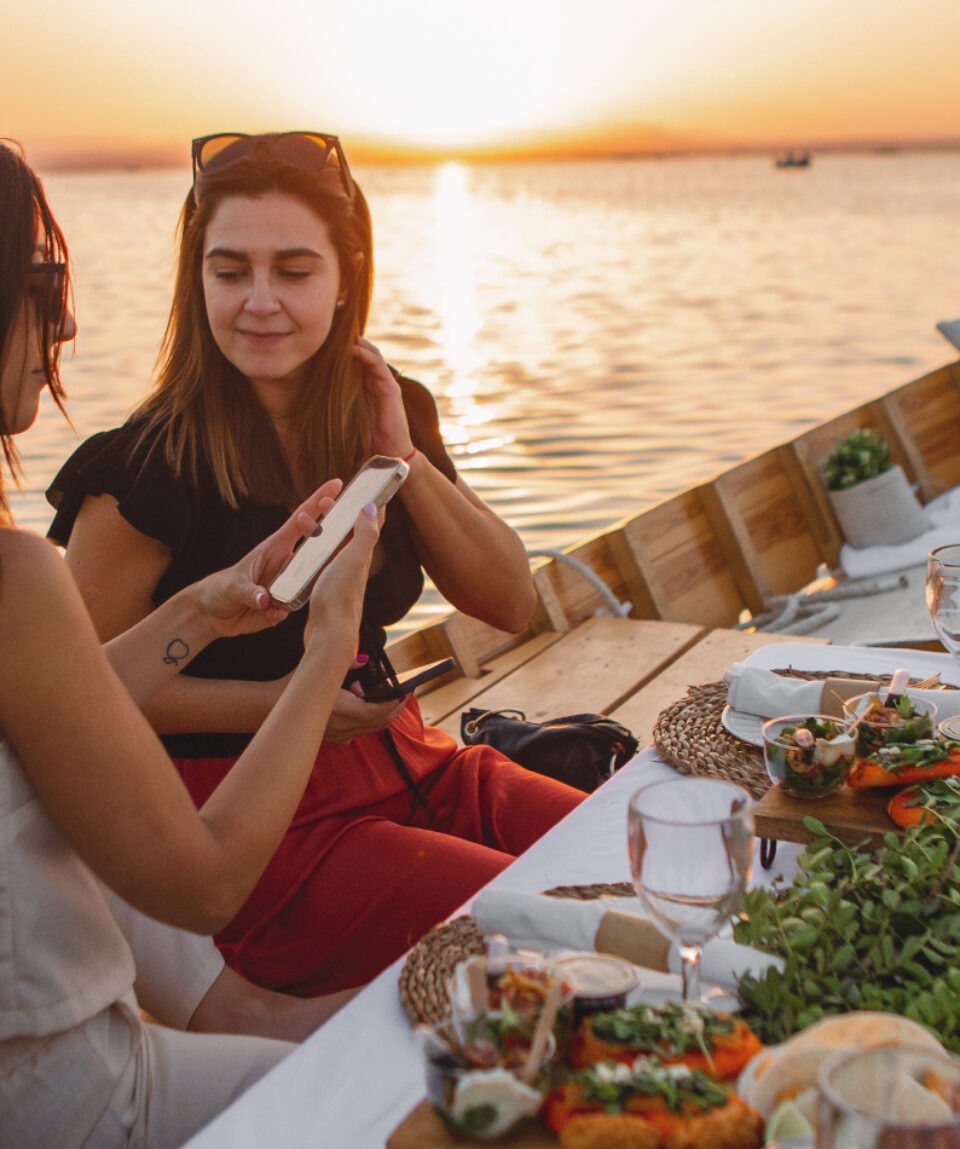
pixel 148 495
pixel 424 423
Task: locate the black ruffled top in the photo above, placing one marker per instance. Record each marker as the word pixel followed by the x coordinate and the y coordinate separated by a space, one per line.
pixel 204 534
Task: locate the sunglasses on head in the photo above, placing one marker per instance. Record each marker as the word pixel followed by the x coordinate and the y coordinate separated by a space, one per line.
pixel 307 151
pixel 45 286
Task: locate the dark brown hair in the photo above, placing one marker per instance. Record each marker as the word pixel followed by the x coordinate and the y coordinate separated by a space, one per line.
pixel 203 408
pixel 26 223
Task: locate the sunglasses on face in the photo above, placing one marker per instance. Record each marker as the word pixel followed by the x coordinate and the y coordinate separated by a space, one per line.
pixel 307 151
pixel 45 286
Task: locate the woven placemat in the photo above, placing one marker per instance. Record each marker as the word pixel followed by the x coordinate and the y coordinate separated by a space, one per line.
pixel 690 735
pixel 431 962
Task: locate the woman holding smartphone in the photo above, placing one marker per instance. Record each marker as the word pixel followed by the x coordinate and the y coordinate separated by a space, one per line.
pixel 87 794
pixel 266 387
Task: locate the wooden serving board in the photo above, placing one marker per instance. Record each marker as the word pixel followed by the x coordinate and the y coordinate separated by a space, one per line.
pixel 850 814
pixel 423 1129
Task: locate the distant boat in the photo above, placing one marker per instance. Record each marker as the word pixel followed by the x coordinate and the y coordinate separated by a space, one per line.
pixel 793 160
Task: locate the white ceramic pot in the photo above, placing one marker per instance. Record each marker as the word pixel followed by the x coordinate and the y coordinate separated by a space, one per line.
pixel 882 511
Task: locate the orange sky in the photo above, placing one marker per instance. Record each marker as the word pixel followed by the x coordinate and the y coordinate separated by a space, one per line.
pixel 134 81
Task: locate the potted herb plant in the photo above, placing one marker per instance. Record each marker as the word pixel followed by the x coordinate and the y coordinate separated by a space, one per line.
pixel 870 495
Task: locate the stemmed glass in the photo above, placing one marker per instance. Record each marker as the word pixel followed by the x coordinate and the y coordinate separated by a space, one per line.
pixel 943 595
pixel 691 848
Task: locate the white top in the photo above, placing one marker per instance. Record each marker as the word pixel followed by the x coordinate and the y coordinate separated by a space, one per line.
pixel 63 958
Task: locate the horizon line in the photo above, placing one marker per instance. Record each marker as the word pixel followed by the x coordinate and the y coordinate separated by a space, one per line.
pixel 160 157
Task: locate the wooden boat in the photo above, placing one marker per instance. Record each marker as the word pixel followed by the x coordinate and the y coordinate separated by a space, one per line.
pixel 711 552
pixel 793 160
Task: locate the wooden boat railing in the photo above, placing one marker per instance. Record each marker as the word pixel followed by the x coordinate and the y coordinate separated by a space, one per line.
pixel 702 556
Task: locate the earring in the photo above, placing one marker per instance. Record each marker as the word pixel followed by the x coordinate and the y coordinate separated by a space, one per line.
pixel 340 302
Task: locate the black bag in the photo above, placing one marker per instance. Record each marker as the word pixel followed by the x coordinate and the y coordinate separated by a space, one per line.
pixel 582 750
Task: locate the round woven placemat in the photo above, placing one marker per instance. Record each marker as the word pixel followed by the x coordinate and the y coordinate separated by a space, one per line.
pixel 431 962
pixel 690 735
pixel 430 965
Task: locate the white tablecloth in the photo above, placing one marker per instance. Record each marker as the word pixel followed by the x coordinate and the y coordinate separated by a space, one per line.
pixel 354 1081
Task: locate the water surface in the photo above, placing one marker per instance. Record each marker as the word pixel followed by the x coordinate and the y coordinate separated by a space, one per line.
pixel 597 335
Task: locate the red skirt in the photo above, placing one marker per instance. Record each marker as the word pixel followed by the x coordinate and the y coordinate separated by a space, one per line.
pixel 363 871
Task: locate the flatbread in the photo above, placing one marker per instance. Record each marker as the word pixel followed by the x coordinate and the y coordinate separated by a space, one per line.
pixel 785 1071
pixel 864 1028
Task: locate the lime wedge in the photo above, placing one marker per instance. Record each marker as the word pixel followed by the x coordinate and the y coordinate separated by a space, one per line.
pixel 786 1121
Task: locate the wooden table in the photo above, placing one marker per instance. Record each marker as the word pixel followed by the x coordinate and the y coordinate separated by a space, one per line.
pixel 627 668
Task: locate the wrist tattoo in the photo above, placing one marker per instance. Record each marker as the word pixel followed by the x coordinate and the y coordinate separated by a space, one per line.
pixel 177 651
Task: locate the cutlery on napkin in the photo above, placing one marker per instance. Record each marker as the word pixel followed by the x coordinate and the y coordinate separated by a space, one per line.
pixel 753 690
pixel 535 919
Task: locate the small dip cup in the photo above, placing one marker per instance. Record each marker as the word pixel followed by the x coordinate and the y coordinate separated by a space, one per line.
pixel 949 728
pixel 600 982
pixel 814 771
pixel 873 734
pixel 488 1100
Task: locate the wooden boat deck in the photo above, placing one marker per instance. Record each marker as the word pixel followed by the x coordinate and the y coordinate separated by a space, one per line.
pixel 629 669
pixel 689 568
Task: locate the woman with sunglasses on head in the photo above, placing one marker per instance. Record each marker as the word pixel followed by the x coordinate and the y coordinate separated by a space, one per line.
pixel 265 385
pixel 88 798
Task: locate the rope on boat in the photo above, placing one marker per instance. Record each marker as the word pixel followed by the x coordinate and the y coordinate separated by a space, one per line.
pixel 617 609
pixel 802 613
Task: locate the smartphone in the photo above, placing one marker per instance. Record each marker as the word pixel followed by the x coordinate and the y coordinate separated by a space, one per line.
pixel 376 482
pixel 388 692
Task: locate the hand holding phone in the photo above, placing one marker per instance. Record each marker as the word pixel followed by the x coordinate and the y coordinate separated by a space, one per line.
pixel 391 692
pixel 376 482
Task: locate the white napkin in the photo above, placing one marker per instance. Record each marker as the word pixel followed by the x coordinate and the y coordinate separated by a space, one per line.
pixel 944 514
pixel 756 691
pixel 768 695
pixel 530 919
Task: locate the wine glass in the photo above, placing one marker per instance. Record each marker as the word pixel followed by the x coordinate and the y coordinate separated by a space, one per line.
pixel 889 1097
pixel 691 848
pixel 943 595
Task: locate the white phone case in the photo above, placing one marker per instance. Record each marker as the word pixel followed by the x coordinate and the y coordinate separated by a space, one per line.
pixel 376 482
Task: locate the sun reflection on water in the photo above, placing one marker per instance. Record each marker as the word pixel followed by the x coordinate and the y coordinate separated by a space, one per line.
pixel 459 316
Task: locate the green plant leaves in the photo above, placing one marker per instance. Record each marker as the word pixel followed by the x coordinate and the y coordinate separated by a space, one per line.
pixel 861 928
pixel 860 456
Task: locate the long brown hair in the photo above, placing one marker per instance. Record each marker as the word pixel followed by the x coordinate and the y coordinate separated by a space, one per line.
pixel 27 222
pixel 203 409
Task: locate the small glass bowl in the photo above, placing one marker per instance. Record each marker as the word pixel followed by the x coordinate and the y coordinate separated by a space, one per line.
pixel 814 770
pixel 875 733
pixel 482 1096
pixel 514 970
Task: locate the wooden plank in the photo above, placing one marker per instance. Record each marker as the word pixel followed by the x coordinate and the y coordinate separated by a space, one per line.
pixel 567 595
pixel 704 662
pixel 770 522
pixel 423 1129
pixel 426 644
pixel 592 668
pixel 831 538
pixel 735 544
pixel 926 415
pixel 447 701
pixel 850 814
pixel 683 573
